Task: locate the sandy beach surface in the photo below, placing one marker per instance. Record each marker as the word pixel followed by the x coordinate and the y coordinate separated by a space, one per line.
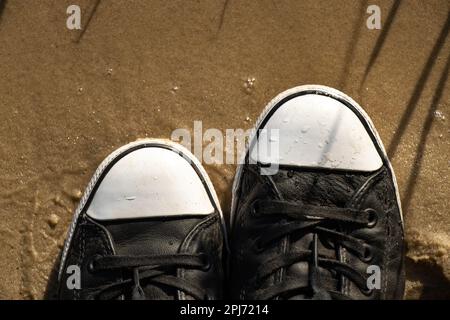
pixel 145 68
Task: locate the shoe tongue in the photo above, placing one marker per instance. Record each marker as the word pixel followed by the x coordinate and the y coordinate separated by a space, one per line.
pixel 315 188
pixel 332 189
pixel 156 236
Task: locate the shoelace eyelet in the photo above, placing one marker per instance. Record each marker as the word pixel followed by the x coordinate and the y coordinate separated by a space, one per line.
pixel 367 256
pixel 373 217
pixel 206 262
pixel 367 292
pixel 91 265
pixel 257 247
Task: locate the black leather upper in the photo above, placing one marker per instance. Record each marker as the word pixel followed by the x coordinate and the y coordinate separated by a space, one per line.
pixel 144 237
pixel 331 189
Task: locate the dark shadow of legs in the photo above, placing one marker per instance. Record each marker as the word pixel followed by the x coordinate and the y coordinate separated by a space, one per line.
pixel 2 8
pixel 412 180
pixel 350 52
pixel 412 104
pixel 381 39
pixel 222 15
pixel 83 30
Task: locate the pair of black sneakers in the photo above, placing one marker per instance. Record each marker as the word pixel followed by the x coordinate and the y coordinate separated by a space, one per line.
pixel 315 215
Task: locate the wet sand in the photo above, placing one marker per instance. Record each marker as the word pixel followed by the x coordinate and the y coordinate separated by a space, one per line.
pixel 144 68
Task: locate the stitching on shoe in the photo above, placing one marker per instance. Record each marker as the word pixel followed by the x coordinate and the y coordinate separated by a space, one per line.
pixel 203 225
pixel 356 202
pixel 83 228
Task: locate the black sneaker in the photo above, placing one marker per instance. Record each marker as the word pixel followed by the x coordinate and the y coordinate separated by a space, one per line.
pixel 149 226
pixel 316 212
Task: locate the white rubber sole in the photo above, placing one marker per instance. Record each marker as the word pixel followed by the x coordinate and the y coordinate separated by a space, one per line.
pixel 323 90
pixel 87 196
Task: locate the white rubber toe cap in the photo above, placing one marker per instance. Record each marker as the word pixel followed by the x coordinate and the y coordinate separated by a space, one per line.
pixel 316 131
pixel 150 182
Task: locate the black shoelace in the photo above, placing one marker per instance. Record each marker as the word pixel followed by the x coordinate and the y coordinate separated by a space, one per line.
pixel 155 270
pixel 321 222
